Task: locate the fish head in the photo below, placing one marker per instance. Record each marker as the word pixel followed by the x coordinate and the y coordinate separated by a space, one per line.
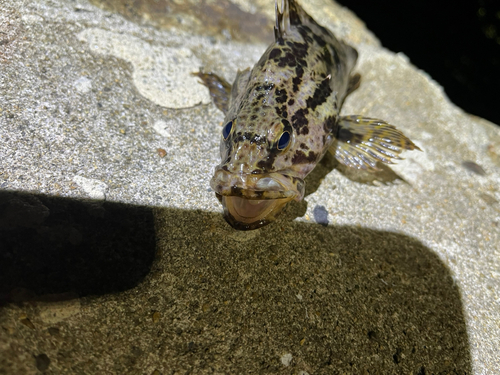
pixel 255 181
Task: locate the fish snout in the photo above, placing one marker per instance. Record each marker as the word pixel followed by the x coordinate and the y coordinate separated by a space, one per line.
pixel 253 200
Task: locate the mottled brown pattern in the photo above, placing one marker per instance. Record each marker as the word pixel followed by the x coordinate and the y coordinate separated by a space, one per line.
pixel 298 86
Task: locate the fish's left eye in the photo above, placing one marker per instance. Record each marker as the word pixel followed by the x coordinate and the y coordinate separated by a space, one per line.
pixel 226 130
pixel 284 140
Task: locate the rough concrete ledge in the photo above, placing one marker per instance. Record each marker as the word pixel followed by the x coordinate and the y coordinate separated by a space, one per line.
pixel 114 257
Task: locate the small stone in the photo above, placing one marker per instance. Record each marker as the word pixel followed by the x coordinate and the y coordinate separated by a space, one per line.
pixel 162 128
pixel 156 317
pixel 161 152
pixel 42 362
pixel 83 85
pixel 321 215
pixel 286 359
pixel 94 188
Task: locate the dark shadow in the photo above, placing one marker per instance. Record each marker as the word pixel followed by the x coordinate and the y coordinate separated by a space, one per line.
pixel 339 299
pixel 53 247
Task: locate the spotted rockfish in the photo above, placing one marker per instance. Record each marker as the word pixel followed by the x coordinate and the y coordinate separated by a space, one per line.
pixel 282 116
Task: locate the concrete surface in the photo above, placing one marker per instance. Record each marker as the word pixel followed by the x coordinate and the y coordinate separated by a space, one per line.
pixel 144 276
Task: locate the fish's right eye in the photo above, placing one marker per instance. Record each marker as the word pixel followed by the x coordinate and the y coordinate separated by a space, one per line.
pixel 226 130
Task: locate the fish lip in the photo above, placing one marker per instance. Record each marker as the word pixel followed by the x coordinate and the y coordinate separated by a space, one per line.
pixel 253 200
pixel 258 186
pixel 235 209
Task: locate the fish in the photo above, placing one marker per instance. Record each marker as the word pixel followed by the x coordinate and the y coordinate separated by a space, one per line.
pixel 283 115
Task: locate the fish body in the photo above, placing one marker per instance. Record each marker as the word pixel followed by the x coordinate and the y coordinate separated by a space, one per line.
pixel 283 115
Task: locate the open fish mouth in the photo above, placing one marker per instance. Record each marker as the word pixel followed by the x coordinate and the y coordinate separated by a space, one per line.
pixel 248 214
pixel 253 200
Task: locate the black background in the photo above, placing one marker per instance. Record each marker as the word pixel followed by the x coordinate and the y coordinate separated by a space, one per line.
pixel 456 42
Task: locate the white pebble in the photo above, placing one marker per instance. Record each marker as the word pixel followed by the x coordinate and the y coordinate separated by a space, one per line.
pixel 94 188
pixel 286 359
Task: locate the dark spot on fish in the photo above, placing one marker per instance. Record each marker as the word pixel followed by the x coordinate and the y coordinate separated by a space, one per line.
pixel 253 117
pixel 299 50
pixel 303 131
pixel 318 39
pixel 236 191
pixel 282 112
pixel 303 146
pixel 268 86
pixel 302 158
pixel 299 120
pixel 326 57
pixel 265 87
pixel 267 164
pixel 288 60
pixel 329 124
pixel 281 96
pixel 296 82
pixel 276 52
pixel 291 102
pixel 299 71
pixel 321 215
pixel 305 32
pixel 474 168
pixel 320 96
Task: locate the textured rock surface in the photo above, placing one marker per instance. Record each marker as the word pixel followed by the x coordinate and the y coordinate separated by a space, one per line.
pixel 98 103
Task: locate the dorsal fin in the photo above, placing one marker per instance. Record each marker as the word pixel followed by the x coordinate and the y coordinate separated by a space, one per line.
pixel 282 20
pixel 290 14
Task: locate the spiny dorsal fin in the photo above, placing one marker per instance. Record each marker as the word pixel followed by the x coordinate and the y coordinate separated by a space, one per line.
pixel 290 14
pixel 282 19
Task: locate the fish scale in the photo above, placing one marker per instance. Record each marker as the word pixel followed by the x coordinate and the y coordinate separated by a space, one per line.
pixel 282 116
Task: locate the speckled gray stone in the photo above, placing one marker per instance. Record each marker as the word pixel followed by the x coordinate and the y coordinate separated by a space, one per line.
pixel 114 258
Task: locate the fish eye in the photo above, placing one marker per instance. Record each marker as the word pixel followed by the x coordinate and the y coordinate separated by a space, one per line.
pixel 284 140
pixel 226 130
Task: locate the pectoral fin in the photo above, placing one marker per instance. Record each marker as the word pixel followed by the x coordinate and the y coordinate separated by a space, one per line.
pixel 362 142
pixel 220 90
